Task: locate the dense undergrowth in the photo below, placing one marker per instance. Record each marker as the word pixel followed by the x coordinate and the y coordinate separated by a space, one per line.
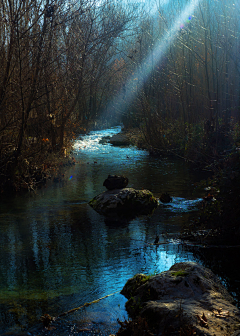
pixel 201 144
pixel 33 168
pixel 220 212
pixel 216 150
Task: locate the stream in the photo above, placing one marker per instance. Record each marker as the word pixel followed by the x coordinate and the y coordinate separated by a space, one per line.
pixel 57 253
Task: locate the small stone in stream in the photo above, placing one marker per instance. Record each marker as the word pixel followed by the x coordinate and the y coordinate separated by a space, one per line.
pixel 115 182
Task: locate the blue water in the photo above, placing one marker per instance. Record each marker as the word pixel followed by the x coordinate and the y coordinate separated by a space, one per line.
pixel 57 253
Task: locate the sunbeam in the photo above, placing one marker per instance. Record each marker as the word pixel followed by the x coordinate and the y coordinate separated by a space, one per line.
pixel 126 96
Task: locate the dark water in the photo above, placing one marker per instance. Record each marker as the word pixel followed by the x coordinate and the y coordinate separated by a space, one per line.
pixel 57 253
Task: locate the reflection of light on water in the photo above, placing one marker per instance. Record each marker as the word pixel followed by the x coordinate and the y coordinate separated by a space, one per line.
pixel 181 205
pixel 77 255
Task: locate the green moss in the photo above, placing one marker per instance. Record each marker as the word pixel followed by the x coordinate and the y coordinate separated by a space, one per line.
pixel 133 284
pixel 135 303
pixel 136 202
pixel 93 202
pixel 139 280
pixel 179 273
pixel 143 278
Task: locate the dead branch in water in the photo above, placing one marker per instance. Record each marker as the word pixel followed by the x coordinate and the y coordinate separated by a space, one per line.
pixel 48 319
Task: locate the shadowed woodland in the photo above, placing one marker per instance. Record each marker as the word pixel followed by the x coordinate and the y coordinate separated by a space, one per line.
pixel 169 72
pixel 62 64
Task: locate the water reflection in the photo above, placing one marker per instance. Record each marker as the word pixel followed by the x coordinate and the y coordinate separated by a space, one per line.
pixel 57 253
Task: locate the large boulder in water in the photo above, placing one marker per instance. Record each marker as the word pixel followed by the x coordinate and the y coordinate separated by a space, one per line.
pixel 120 139
pixel 188 299
pixel 125 201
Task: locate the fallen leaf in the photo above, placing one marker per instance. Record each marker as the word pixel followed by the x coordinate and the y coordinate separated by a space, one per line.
pixel 204 317
pixel 204 323
pixel 221 313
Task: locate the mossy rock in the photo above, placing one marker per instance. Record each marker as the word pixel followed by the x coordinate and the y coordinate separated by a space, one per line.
pixel 124 201
pixel 179 298
pixel 130 290
pixel 133 284
pixel 180 273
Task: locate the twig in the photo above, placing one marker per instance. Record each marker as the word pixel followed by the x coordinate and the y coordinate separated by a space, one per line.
pixel 86 305
pixel 48 319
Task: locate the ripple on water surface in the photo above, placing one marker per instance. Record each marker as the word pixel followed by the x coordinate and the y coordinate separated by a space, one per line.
pixel 57 253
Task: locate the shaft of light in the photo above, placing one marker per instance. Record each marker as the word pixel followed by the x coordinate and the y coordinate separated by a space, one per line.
pixel 141 74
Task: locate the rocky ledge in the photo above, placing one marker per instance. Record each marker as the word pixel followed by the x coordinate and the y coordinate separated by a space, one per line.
pixel 124 201
pixel 120 139
pixel 188 299
pixel 128 137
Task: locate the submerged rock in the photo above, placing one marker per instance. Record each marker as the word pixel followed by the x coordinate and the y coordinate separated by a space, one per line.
pixel 187 298
pixel 104 140
pixel 124 201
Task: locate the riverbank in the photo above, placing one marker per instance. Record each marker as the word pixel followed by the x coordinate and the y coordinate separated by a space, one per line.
pixel 219 215
pixel 32 175
pixel 129 137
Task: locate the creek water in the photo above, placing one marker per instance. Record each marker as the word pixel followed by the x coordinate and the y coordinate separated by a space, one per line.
pixel 57 253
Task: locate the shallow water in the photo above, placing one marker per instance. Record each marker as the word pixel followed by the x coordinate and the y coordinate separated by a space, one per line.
pixel 57 253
